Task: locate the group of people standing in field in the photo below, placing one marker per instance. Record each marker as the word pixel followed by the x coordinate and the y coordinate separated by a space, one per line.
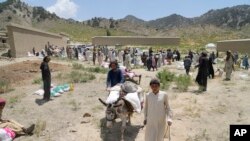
pixel 160 58
pixel 206 70
pixel 158 114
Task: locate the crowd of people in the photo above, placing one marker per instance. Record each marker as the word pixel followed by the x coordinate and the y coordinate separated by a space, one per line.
pixel 156 119
pixel 152 60
pixel 49 50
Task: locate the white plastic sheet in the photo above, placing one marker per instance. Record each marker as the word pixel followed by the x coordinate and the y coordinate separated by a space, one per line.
pixel 134 98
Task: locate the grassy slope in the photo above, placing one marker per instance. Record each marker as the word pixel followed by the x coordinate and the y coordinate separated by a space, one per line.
pixel 195 37
pixel 79 32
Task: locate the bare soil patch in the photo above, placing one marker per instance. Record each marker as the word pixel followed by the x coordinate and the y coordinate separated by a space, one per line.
pixel 15 73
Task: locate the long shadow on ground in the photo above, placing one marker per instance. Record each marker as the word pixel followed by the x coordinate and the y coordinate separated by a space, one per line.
pixel 114 133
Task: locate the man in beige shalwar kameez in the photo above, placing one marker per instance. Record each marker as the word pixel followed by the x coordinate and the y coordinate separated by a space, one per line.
pixel 127 62
pixel 157 113
pixel 229 65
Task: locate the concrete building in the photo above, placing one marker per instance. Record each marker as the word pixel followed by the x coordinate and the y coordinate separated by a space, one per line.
pixel 134 40
pixel 23 39
pixel 241 45
pixel 3 39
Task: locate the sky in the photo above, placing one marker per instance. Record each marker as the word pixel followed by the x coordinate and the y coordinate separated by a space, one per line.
pixel 144 9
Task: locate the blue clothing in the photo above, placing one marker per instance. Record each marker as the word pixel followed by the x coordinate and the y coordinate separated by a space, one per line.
pixel 114 77
pixel 245 62
pixel 187 62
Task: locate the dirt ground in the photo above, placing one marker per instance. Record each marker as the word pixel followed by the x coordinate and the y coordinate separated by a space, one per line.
pixel 197 116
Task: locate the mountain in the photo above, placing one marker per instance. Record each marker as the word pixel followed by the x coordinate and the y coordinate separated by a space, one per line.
pixel 221 24
pixel 233 17
pixel 19 12
pixel 133 19
pixel 171 21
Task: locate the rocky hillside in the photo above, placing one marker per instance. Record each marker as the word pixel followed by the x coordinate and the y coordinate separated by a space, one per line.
pixel 171 21
pixel 234 17
pixel 133 19
pixel 16 11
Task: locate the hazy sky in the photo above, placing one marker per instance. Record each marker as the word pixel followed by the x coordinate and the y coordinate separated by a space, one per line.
pixel 144 9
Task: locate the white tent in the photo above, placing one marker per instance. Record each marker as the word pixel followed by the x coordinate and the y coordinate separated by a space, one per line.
pixel 211 46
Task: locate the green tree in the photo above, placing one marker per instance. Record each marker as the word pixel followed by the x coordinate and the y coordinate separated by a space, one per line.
pixel 9 18
pixel 112 23
pixel 14 11
pixel 108 32
pixel 96 22
pixel 88 23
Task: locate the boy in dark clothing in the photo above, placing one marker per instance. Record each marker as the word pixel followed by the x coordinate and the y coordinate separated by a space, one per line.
pixel 191 55
pixel 187 64
pixel 149 63
pixel 210 67
pixel 178 57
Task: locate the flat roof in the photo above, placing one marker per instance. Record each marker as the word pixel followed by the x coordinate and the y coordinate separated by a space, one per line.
pixel 136 37
pixel 3 34
pixel 32 29
pixel 135 40
pixel 236 40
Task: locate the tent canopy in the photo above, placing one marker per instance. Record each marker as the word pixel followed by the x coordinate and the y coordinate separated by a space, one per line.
pixel 210 45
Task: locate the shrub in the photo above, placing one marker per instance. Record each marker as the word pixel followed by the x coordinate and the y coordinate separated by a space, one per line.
pixel 77 66
pixel 4 86
pixel 9 18
pixel 97 70
pixel 183 82
pixel 14 11
pixel 40 127
pixel 80 77
pixel 14 99
pixel 59 76
pixel 165 77
pixel 75 77
pixel 37 81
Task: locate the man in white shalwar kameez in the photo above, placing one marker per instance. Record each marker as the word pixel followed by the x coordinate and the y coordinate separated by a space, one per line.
pixel 127 61
pixel 100 56
pixel 120 56
pixel 157 112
